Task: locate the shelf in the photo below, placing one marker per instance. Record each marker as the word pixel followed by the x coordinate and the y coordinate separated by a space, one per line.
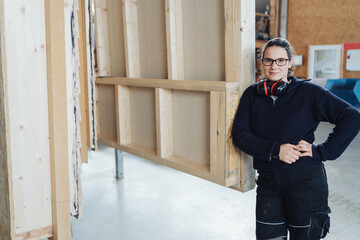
pixel 263 15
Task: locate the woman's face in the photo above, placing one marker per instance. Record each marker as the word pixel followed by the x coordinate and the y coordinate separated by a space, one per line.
pixel 273 71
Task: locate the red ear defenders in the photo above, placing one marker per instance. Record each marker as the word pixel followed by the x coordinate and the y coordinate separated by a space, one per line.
pixel 268 87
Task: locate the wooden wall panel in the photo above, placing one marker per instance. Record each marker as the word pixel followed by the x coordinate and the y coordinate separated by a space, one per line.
pixel 143 117
pixel 204 46
pixel 107 111
pixel 152 38
pixel 116 38
pixel 320 23
pixel 192 125
pixel 25 202
pixel 28 122
pixel 185 124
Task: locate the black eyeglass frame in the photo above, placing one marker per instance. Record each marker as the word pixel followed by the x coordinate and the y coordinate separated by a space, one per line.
pixel 276 61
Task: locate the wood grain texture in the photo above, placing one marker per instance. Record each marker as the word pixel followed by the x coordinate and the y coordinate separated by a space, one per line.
pixel 6 189
pixel 240 63
pixel 193 85
pixel 58 121
pixel 102 38
pixel 27 126
pixel 186 124
pixel 83 75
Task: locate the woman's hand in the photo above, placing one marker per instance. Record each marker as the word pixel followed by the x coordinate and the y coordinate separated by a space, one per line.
pixel 289 153
pixel 305 148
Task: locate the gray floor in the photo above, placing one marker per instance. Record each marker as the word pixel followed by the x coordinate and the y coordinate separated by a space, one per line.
pixel 156 202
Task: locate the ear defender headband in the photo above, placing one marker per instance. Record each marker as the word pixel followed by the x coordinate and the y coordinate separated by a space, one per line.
pixel 276 88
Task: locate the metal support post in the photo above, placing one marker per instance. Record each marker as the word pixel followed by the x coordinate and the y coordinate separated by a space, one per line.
pixel 119 164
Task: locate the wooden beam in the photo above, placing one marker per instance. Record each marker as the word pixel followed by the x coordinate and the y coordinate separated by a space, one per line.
pixel 131 35
pixel 164 122
pixel 132 63
pixel 123 115
pixel 41 233
pixel 174 39
pixel 273 19
pixel 214 109
pixel 231 152
pixel 56 70
pixel 7 227
pixel 240 41
pixel 179 163
pixel 192 85
pixel 102 38
pixel 83 96
pixel 240 65
pixel 175 63
pixel 231 22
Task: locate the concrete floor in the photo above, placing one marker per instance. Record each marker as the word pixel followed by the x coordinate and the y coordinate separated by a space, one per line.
pixel 156 202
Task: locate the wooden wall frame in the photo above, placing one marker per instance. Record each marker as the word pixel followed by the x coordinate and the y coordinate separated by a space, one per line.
pixel 211 105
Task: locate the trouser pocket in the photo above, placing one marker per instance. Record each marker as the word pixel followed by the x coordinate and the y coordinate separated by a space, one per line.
pixel 319 225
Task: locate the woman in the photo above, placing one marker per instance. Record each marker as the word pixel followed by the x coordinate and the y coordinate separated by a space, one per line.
pixel 275 123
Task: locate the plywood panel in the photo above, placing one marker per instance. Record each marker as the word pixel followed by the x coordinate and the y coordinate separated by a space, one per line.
pixel 143 117
pixel 23 46
pixel 152 38
pixel 192 125
pixel 204 27
pixel 116 38
pixel 321 23
pixel 107 111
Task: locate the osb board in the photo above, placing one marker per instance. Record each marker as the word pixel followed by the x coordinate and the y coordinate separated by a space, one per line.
pixel 116 38
pixel 152 38
pixel 191 125
pixel 204 42
pixel 107 111
pixel 24 62
pixel 143 118
pixel 322 22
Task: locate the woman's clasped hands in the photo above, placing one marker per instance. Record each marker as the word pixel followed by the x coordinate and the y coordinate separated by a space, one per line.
pixel 290 153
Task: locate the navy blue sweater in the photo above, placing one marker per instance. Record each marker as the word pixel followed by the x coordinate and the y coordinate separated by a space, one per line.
pixel 262 124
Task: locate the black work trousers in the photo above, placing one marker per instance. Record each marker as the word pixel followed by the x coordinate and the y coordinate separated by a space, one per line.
pixel 294 200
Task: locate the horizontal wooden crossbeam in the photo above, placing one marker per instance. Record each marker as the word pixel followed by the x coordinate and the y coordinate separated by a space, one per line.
pixel 194 85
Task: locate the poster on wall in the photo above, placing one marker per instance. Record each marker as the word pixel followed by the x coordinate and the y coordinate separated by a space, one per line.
pixel 352 56
pixel 353 60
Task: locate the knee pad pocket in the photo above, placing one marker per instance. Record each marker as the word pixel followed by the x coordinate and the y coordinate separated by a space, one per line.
pixel 319 225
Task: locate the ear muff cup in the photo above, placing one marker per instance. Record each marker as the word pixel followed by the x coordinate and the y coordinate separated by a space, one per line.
pixel 268 87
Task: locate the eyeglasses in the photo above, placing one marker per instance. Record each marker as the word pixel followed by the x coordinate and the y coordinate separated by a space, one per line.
pixel 279 61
